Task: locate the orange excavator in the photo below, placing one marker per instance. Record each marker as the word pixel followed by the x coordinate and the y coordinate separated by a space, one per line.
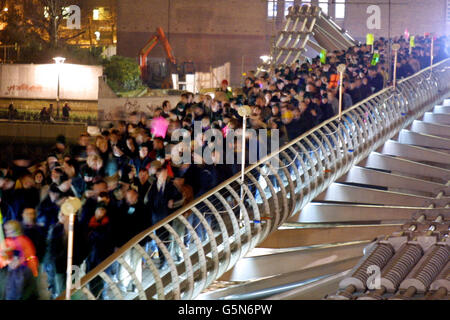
pixel 157 73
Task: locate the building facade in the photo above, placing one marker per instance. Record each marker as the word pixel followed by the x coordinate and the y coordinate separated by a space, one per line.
pixel 86 22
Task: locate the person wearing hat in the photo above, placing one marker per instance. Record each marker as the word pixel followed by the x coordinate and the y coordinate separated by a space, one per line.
pixel 19 257
pixel 225 88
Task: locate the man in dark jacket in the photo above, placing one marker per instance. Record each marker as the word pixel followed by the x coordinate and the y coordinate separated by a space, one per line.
pixel 49 208
pixel 34 232
pixel 162 196
pixel 100 241
pixel 327 109
pixel 354 92
pixel 134 218
pixel 375 80
pixel 25 197
pixel 56 255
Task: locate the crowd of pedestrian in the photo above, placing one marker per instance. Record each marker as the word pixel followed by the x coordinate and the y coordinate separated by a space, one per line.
pixel 128 181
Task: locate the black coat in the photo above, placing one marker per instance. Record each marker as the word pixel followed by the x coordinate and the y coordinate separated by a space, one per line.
pixel 101 245
pixel 158 201
pixel 47 213
pixel 57 247
pixel 24 198
pixel 327 112
pixel 37 236
pixel 376 82
pixel 131 221
pixel 295 128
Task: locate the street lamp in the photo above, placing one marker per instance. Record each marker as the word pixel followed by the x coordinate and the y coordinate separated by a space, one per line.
pixel 395 47
pixel 58 61
pixel 341 69
pixel 244 112
pixel 69 209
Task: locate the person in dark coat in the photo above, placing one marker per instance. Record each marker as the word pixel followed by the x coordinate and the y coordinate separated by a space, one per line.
pixel 99 237
pixel 404 69
pixel 143 183
pixel 375 80
pixel 27 196
pixel 66 112
pixel 55 260
pixel 142 161
pixel 134 218
pixel 34 232
pixel 6 210
pixel 49 208
pixel 354 92
pixel 162 197
pixel 366 91
pixel 327 109
pixel 101 245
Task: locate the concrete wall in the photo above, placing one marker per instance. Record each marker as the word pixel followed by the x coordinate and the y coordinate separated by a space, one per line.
pixel 37 132
pixel 418 16
pixel 113 109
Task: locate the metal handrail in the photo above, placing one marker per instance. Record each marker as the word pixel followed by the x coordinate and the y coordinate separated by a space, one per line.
pixel 310 163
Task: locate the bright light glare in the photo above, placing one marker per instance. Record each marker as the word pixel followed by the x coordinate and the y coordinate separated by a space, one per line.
pixel 265 58
pixel 96 14
pixel 59 60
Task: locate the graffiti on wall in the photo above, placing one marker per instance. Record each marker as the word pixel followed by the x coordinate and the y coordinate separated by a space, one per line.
pixel 114 109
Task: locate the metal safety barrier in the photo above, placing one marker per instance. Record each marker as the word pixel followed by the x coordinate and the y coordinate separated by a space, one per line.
pixel 204 239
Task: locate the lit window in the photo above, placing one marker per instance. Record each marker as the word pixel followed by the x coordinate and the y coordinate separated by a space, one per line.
pixel 272 8
pixel 323 4
pixel 340 9
pixel 101 14
pixel 287 5
pixel 96 14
